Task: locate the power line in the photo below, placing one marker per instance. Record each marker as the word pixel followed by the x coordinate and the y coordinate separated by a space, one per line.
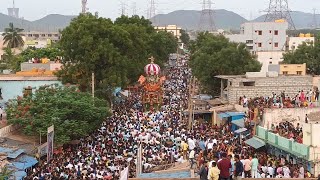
pixel 134 8
pixel 279 9
pixel 206 22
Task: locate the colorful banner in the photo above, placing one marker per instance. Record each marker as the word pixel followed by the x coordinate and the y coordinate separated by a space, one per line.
pixel 50 137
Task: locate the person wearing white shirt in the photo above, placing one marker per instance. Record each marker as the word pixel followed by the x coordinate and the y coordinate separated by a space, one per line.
pixel 286 171
pixel 191 144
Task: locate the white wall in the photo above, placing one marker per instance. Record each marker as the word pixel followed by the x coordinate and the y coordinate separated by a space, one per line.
pixel 266 57
pixel 294 115
pixel 294 42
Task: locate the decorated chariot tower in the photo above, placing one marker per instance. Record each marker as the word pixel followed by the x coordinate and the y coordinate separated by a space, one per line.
pixel 152 86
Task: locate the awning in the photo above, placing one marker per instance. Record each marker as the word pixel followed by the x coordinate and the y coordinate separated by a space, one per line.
pixel 15 154
pixel 223 115
pixel 24 162
pixel 19 175
pixel 239 123
pixel 255 142
pixel 241 130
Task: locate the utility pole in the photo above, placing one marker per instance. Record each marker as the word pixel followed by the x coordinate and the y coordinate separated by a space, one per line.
pixel 92 84
pixel 279 9
pixel 206 22
pixel 191 104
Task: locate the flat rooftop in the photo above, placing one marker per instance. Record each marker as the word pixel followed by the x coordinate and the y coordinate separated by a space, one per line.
pixel 15 77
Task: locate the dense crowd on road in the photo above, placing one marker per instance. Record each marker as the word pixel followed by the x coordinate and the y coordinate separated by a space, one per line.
pixel 215 152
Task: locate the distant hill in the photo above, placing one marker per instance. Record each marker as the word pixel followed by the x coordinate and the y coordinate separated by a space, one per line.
pixel 52 22
pixel 300 19
pixel 189 19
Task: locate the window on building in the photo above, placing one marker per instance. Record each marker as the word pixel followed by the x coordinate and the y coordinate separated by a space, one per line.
pixel 299 72
pixel 260 33
pixel 36 35
pixel 250 47
pixel 285 72
pixel 276 32
pixel 1 94
pixel 249 83
pixel 43 35
pixel 29 35
pixel 259 44
pixel 270 62
pixel 285 66
pixel 270 42
pixel 270 31
pixel 49 35
pixel 27 91
pixel 299 66
pixel 276 44
pixel 249 41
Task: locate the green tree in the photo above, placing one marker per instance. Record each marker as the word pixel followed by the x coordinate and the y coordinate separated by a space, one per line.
pixel 185 38
pixel 214 55
pixel 11 60
pixel 115 51
pixel 306 53
pixel 5 173
pixel 32 52
pixel 74 114
pixel 12 37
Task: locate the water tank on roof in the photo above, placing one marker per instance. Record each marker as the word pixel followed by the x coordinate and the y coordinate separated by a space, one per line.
pixel 301 35
pixel 280 20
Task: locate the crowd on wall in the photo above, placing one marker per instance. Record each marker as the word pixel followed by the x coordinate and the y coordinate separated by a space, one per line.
pixel 215 152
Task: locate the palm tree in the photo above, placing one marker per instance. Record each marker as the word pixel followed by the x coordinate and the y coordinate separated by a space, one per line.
pixel 5 173
pixel 12 37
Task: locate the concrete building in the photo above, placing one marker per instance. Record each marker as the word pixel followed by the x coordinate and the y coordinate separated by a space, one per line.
pixel 293 69
pixel 262 36
pixel 294 42
pixel 14 85
pixel 289 69
pixel 261 84
pixel 34 35
pixel 174 29
pixel 267 58
pixel 267 40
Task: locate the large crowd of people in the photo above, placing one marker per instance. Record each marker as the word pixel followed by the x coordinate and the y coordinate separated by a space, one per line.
pixel 215 152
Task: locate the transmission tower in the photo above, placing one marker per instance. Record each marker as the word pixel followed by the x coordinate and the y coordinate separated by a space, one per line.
pixel 315 22
pixel 206 22
pixel 134 8
pixel 84 6
pixel 152 9
pixel 123 8
pixel 279 9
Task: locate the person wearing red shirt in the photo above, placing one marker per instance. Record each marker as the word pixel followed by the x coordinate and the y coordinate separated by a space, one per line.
pixel 224 165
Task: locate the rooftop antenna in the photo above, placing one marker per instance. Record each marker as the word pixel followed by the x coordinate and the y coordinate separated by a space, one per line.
pixel 206 22
pixel 279 9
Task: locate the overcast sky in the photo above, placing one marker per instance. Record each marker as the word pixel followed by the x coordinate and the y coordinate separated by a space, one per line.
pixel 35 9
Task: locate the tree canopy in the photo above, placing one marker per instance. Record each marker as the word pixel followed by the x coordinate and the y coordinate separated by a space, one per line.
pixel 48 52
pixel 12 37
pixel 115 51
pixel 308 53
pixel 213 55
pixel 185 38
pixel 74 114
